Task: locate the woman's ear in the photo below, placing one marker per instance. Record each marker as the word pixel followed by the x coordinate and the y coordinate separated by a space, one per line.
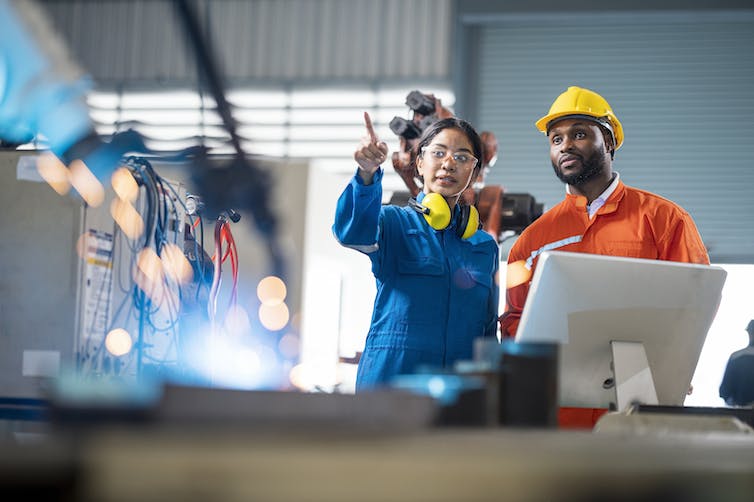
pixel 419 163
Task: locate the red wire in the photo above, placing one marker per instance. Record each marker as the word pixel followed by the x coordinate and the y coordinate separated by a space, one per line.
pixel 233 254
pixel 223 235
pixel 226 234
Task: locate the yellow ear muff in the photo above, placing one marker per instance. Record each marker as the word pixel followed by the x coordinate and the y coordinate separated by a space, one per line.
pixel 436 211
pixel 439 211
pixel 472 224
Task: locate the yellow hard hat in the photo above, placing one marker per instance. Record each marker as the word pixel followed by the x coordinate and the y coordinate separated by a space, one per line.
pixel 580 102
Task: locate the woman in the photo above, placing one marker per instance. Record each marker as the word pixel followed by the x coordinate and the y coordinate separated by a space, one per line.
pixel 437 285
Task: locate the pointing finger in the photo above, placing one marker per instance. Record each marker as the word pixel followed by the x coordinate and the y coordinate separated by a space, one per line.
pixel 370 128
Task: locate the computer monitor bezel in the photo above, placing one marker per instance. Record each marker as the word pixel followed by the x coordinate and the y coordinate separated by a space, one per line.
pixel 584 301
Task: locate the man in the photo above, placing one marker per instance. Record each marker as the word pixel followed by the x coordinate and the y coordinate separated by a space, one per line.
pixel 737 387
pixel 600 214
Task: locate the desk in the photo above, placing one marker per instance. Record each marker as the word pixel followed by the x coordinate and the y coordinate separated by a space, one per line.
pixel 440 464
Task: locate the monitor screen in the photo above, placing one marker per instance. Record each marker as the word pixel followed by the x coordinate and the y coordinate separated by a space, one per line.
pixel 585 302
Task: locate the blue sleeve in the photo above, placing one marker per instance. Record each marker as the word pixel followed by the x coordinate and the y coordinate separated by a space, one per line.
pixel 357 214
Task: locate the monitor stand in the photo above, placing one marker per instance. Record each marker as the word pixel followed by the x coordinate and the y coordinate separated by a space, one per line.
pixel 633 377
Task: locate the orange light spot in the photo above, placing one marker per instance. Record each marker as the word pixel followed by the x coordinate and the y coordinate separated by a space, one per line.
pixel 516 274
pixel 127 217
pixel 271 290
pixel 274 317
pixel 54 172
pixel 86 184
pixel 149 276
pixel 124 184
pixel 299 376
pixel 175 264
pixel 118 342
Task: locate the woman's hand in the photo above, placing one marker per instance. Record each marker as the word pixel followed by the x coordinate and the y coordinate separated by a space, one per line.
pixel 371 152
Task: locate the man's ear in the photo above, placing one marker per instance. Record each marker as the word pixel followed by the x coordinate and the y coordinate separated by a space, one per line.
pixel 607 138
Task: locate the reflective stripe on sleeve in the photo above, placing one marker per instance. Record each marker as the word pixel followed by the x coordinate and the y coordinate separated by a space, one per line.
pixel 369 248
pixel 552 245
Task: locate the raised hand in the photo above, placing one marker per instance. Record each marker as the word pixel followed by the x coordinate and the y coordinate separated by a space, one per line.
pixel 371 152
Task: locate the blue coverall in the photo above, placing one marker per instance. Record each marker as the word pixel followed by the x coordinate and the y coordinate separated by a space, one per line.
pixel 436 292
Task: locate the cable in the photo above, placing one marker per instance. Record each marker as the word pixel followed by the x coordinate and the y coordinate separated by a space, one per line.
pixel 207 66
pixel 240 184
pixel 233 253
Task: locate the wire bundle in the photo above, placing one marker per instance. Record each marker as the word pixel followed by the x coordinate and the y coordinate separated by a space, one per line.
pixel 223 239
pixel 151 289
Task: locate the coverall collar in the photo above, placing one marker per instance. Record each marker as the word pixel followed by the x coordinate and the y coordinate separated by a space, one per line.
pixel 609 206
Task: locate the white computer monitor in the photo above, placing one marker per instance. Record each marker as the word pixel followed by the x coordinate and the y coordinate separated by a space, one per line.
pixel 624 325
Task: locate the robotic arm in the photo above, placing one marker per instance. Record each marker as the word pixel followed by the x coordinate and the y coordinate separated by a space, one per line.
pixel 42 91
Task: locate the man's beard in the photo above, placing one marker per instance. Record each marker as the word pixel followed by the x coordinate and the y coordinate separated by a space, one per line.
pixel 590 169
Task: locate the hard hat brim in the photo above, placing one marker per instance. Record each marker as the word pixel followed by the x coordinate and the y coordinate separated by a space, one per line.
pixel 545 123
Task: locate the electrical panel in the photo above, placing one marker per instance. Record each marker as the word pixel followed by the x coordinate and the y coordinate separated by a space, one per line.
pixel 129 307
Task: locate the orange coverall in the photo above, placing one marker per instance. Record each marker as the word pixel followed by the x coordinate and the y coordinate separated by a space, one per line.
pixel 632 223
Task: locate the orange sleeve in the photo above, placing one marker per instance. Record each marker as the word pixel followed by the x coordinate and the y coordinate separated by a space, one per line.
pixel 684 243
pixel 515 298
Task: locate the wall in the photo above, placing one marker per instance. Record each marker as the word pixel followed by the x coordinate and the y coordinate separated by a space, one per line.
pixel 38 278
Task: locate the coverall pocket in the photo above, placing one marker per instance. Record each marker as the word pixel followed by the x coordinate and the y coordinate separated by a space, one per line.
pixel 420 265
pixel 631 249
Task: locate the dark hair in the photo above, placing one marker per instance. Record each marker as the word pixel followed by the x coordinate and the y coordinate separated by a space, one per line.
pixel 452 123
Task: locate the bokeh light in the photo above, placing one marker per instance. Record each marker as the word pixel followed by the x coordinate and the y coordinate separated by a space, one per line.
pixel 237 321
pixel 247 364
pixel 127 217
pixel 296 321
pixel 86 184
pixel 82 245
pixel 54 172
pixel 299 377
pixel 463 279
pixel 271 291
pixel 289 346
pixel 148 274
pixel 149 264
pixel 175 264
pixel 274 317
pixel 118 342
pixel 436 386
pixel 124 184
pixel 517 273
